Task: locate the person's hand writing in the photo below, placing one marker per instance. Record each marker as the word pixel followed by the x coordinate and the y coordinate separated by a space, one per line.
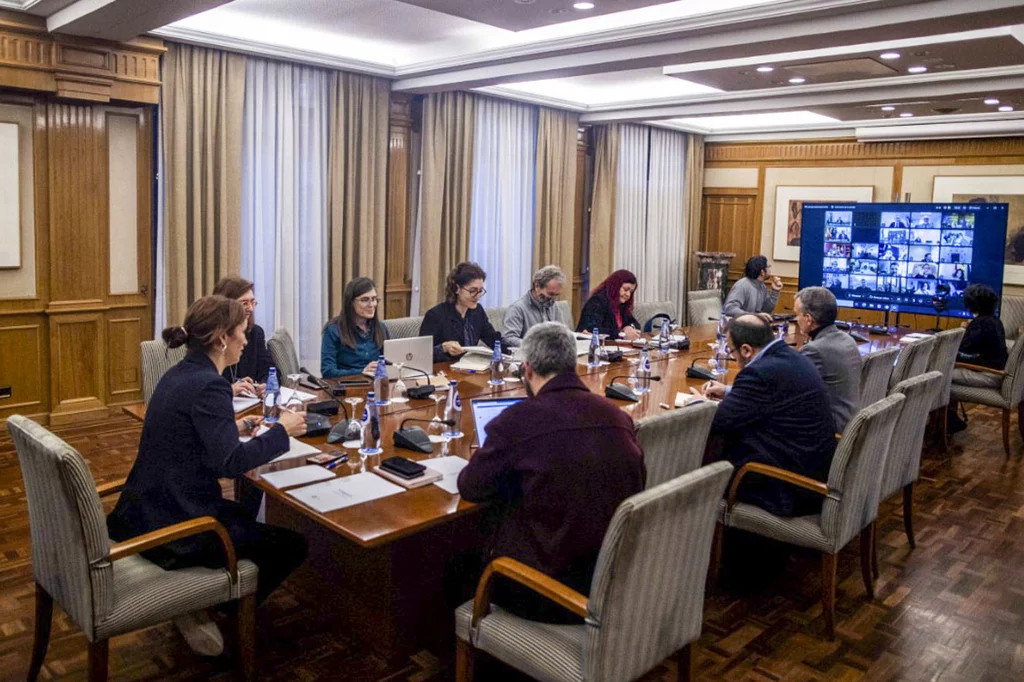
pixel 713 390
pixel 293 422
pixel 631 333
pixel 247 425
pixel 243 387
pixel 452 348
pixel 777 283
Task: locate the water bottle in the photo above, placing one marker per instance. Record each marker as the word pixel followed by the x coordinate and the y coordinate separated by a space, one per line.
pixel 381 386
pixel 723 325
pixel 272 398
pixel 663 336
pixel 643 373
pixel 783 328
pixel 595 341
pixel 370 434
pixel 453 412
pixel 497 366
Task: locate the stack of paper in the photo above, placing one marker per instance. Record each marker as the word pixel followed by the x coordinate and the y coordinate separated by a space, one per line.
pixel 684 399
pixel 242 403
pixel 297 476
pixel 911 338
pixel 449 467
pixel 346 491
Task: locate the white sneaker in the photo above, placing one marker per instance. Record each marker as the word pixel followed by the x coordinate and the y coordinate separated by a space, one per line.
pixel 201 633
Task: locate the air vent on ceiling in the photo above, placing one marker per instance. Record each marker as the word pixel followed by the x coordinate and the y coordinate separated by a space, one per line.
pixel 841 70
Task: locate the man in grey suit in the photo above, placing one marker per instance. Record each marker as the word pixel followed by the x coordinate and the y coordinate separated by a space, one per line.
pixel 832 351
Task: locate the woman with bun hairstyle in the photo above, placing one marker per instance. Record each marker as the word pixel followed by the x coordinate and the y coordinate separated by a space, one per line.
pixel 460 321
pixel 190 440
pixel 610 308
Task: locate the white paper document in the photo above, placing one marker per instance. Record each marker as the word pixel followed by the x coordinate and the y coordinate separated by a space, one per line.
pixel 296 448
pixel 297 476
pixel 286 395
pixel 346 491
pixel 449 467
pixel 243 403
pixel 473 362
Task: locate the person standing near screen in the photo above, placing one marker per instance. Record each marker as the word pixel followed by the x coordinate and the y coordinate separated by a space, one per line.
pixel 751 294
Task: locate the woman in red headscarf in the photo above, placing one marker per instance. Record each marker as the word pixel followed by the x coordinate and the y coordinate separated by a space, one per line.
pixel 610 307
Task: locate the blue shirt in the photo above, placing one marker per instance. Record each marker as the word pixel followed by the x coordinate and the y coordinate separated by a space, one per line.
pixel 338 360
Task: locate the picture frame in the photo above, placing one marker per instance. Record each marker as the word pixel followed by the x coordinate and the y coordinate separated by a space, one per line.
pixel 789 198
pixel 997 189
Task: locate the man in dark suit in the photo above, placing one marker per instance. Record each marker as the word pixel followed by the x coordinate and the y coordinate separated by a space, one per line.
pixel 776 412
pixel 555 468
pixel 833 351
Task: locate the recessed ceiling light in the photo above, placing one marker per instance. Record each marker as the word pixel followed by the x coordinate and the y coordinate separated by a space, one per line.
pixel 890 55
pixel 583 5
pixel 888 108
pixel 765 69
pixel 992 101
pixel 917 69
pixel 797 80
pixel 906 114
pixel 1006 107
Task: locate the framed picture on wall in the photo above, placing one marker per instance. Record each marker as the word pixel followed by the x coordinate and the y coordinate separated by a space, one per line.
pixel 788 204
pixel 992 189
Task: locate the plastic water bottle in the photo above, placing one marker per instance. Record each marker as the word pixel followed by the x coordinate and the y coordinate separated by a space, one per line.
pixel 595 341
pixel 370 435
pixel 723 325
pixel 497 366
pixel 453 412
pixel 643 373
pixel 381 386
pixel 783 328
pixel 663 336
pixel 272 398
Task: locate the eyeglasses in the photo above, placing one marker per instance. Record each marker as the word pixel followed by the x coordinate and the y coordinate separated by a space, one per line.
pixel 249 303
pixel 368 300
pixel 475 293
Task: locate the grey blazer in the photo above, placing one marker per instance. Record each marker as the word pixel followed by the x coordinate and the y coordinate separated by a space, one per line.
pixel 835 354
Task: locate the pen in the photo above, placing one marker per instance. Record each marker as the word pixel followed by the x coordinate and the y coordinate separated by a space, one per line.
pixel 331 465
pixel 665 406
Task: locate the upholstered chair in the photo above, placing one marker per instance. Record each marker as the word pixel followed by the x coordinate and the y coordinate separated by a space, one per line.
pixel 403 327
pixel 913 360
pixel 703 306
pixel 157 358
pixel 875 371
pixel 282 350
pixel 674 442
pixel 942 360
pixel 1006 397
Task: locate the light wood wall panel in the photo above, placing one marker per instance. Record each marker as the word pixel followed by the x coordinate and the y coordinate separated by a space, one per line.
pixel 24 365
pixel 398 284
pixel 77 367
pixel 729 220
pixel 124 371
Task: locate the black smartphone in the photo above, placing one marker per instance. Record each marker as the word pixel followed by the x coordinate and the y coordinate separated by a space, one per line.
pixel 400 466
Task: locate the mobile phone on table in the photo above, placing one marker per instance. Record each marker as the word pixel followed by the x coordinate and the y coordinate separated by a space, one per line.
pixel 326 457
pixel 400 466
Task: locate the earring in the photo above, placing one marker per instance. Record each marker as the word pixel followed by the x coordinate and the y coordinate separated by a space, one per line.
pixel 223 347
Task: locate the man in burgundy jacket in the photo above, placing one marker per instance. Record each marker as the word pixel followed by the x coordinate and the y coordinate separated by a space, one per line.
pixel 556 466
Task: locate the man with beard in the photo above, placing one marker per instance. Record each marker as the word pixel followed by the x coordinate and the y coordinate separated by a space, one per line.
pixel 554 467
pixel 249 376
pixel 538 305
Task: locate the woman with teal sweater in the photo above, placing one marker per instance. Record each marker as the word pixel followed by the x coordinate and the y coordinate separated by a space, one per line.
pixel 353 340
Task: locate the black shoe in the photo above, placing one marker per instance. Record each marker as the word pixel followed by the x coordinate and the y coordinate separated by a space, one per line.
pixel 954 424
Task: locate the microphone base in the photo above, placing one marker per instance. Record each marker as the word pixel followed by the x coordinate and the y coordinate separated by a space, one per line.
pixel 413 438
pixel 418 392
pixel 621 392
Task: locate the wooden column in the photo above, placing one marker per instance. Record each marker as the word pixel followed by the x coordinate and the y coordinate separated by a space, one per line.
pixel 581 231
pixel 398 283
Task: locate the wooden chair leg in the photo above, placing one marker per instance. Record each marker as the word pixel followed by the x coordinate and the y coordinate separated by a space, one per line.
pixel 465 661
pixel 874 551
pixel 866 539
pixel 716 556
pixel 44 618
pixel 908 513
pixel 1006 432
pixel 684 663
pixel 828 592
pixel 98 654
pixel 245 626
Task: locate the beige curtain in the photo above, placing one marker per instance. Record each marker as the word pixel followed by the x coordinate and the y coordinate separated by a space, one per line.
pixel 446 189
pixel 202 95
pixel 555 197
pixel 602 207
pixel 357 203
pixel 694 185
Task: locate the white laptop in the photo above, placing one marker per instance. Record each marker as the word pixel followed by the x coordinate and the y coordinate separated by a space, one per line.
pixel 416 353
pixel 486 409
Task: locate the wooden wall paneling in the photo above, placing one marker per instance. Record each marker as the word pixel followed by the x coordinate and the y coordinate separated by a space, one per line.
pixel 729 222
pixel 78 367
pixel 398 273
pixel 124 368
pixel 843 151
pixel 581 229
pixel 24 350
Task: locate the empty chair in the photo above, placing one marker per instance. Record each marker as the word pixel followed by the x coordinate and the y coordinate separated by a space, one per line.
pixel 1006 397
pixel 703 306
pixel 282 350
pixel 110 589
pixel 496 316
pixel 673 442
pixel 157 358
pixel 1011 314
pixel 903 465
pixel 913 360
pixel 942 360
pixel 850 500
pixel 565 313
pixel 643 312
pixel 403 327
pixel 646 600
pixel 875 371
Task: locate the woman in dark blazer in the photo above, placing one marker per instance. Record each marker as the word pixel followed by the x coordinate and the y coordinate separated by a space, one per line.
pixel 460 321
pixel 249 374
pixel 190 440
pixel 610 307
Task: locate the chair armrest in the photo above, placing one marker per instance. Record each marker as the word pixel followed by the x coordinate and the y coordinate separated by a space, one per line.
pixel 111 488
pixel 203 524
pixel 776 473
pixel 540 583
pixel 979 368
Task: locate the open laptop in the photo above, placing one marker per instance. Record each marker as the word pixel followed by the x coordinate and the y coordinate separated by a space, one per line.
pixel 486 409
pixel 416 353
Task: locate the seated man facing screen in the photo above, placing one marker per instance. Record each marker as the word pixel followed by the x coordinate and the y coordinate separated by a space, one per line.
pixel 833 352
pixel 750 293
pixel 556 467
pixel 777 413
pixel 538 305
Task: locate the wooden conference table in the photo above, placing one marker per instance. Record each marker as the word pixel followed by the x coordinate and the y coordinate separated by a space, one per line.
pixel 382 566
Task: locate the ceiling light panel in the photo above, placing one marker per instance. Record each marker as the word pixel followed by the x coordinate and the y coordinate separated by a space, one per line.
pixel 754 121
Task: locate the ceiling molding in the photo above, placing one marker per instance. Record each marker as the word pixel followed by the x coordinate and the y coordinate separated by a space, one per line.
pixel 842 128
pixel 531 98
pixel 719 155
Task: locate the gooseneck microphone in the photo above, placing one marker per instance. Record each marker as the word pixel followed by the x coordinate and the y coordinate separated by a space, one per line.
pixel 326 387
pixel 417 392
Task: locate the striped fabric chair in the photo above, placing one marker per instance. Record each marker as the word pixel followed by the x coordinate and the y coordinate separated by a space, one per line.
pixel 850 501
pixel 645 311
pixel 157 358
pixel 108 589
pixel 646 600
pixel 1011 313
pixel 903 465
pixel 913 360
pixel 282 350
pixel 564 309
pixel 875 371
pixel 403 327
pixel 674 442
pixel 942 360
pixel 703 306
pixel 497 318
pixel 1007 397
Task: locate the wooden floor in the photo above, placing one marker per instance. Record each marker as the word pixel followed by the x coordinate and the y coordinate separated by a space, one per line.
pixel 953 609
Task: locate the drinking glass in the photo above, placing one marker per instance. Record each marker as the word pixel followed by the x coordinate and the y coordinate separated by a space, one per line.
pixel 354 428
pixel 399 394
pixel 292 384
pixel 435 428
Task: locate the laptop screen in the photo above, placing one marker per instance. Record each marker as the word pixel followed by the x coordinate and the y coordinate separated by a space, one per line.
pixel 486 409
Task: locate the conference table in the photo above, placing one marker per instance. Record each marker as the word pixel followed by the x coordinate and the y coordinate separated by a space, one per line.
pixel 392 569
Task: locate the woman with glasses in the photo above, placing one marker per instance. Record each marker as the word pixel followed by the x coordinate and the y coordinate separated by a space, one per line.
pixel 249 375
pixel 460 322
pixel 352 341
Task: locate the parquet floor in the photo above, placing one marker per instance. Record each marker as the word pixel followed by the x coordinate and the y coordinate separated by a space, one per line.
pixel 951 610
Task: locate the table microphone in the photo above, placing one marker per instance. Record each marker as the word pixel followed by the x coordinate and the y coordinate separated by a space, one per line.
pixel 623 391
pixel 415 438
pixel 417 392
